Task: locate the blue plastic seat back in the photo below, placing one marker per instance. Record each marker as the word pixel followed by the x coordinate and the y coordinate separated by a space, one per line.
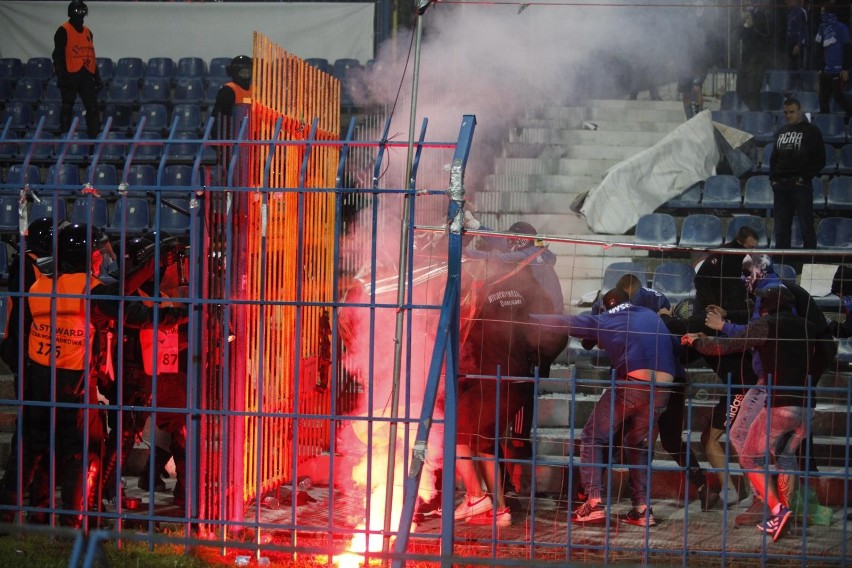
pixel 6 90
pixel 123 90
pixel 319 63
pixel 142 176
pixel 727 117
pixel 781 80
pixel 66 174
pixel 191 67
pixel 121 114
pixel 772 101
pixel 674 279
pixel 189 117
pixel 689 199
pixel 11 68
pixel 28 90
pixel 344 66
pixel 656 228
pixel 786 272
pixel 106 68
pixel 835 233
pixel 219 68
pixel 19 177
pixel 132 68
pixel 40 68
pixel 89 209
pixel 52 116
pixel 722 191
pixel 51 92
pixel 9 213
pixel 701 231
pixel 830 160
pixel 809 81
pixel 839 193
pixel 758 193
pixel 156 116
pixel 756 223
pixel 188 90
pixel 160 67
pixel 155 90
pixel 616 270
pixel 20 113
pixel 47 208
pixel 172 220
pixel 137 219
pixel 809 101
pixel 731 101
pixel 179 176
pixel 104 177
pixel 832 128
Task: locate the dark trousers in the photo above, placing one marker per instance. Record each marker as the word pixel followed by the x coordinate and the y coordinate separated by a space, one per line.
pixel 794 195
pixel 81 83
pixel 831 86
pixel 670 425
pixel 749 81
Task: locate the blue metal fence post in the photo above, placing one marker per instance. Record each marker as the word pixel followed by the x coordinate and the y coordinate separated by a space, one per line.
pixel 446 348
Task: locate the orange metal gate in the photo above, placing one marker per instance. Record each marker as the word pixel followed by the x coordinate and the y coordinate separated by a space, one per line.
pixel 279 257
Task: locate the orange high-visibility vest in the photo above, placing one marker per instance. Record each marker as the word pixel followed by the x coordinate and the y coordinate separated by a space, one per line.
pixel 79 50
pixel 240 95
pixel 168 346
pixel 71 338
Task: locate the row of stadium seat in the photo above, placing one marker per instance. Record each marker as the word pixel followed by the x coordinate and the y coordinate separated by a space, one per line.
pixel 726 192
pixel 773 101
pixel 104 177
pixel 702 230
pixel 158 117
pixel 763 125
pixel 124 91
pixel 41 68
pixel 135 214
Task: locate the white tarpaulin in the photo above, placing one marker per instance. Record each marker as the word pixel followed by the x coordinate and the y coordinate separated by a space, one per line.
pixel 194 29
pixel 645 181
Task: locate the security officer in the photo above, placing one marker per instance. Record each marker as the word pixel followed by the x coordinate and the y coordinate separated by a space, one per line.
pixel 798 156
pixel 76 68
pixel 238 89
pixel 39 244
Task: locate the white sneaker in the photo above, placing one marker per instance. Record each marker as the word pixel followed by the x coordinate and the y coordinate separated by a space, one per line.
pixel 731 496
pixel 473 506
pixel 747 502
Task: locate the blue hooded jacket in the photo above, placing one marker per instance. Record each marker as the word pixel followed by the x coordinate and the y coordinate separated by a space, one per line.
pixel 833 36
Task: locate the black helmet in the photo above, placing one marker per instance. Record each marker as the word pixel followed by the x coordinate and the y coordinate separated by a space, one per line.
pixel 240 71
pixel 136 253
pixel 521 228
pixel 78 8
pixel 73 249
pixel 40 237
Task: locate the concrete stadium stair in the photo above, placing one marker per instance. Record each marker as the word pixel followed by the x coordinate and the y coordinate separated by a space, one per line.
pixel 549 158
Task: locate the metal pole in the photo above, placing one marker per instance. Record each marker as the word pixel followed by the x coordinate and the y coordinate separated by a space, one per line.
pixel 400 290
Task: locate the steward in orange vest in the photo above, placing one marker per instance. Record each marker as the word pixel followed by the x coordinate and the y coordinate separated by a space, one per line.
pixel 76 69
pixel 68 319
pixel 234 92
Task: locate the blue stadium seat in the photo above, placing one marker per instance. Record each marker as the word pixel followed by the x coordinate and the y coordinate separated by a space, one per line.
pixel 830 160
pixel 89 209
pixel 8 152
pixel 786 272
pixel 758 193
pixel 756 223
pixel 832 128
pixel 722 192
pixel 115 148
pixel 689 199
pixel 11 68
pixel 78 151
pixel 727 117
pixel 809 81
pixel 40 68
pixel 211 89
pixel 9 214
pixel 178 176
pixel 191 68
pixel 766 155
pixel 219 68
pixel 103 178
pixel 839 193
pixel 150 152
pixel 161 68
pixel 67 174
pixel 730 101
pixel 675 280
pixel 51 113
pixel 809 100
pixel 344 66
pixel 138 216
pixel 171 220
pixel 17 176
pixel 181 150
pixel 142 176
pixel 131 68
pixel 39 151
pixel 5 90
pixel 28 90
pixel 701 231
pixel 319 63
pixel 771 101
pixel 124 90
pixel 155 90
pixel 156 116
pixel 781 81
pixel 47 208
pixel 189 117
pixel 616 270
pixel 835 233
pixel 51 92
pixel 845 162
pixel 759 124
pixel 121 114
pixel 819 194
pixel 188 90
pixel 656 229
pixel 106 68
pixel 21 115
pixel 796 239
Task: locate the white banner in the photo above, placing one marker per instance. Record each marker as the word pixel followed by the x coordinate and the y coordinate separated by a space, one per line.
pixel 194 29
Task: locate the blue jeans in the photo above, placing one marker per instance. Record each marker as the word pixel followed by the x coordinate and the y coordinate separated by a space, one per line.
pixel 750 406
pixel 786 430
pixel 626 407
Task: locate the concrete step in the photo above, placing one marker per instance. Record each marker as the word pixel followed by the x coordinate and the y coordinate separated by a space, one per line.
pixel 525 166
pixel 635 104
pixel 518 202
pixel 602 152
pixel 542 136
pixel 637 126
pixel 635 115
pixel 566 184
pixel 590 166
pixel 576 114
pixel 7 386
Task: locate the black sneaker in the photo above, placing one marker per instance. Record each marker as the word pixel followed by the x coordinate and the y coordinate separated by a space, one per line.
pixel 707 497
pixel 643 519
pixel 587 513
pixel 426 511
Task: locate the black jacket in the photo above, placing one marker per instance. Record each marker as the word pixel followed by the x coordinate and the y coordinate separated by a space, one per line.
pixel 798 151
